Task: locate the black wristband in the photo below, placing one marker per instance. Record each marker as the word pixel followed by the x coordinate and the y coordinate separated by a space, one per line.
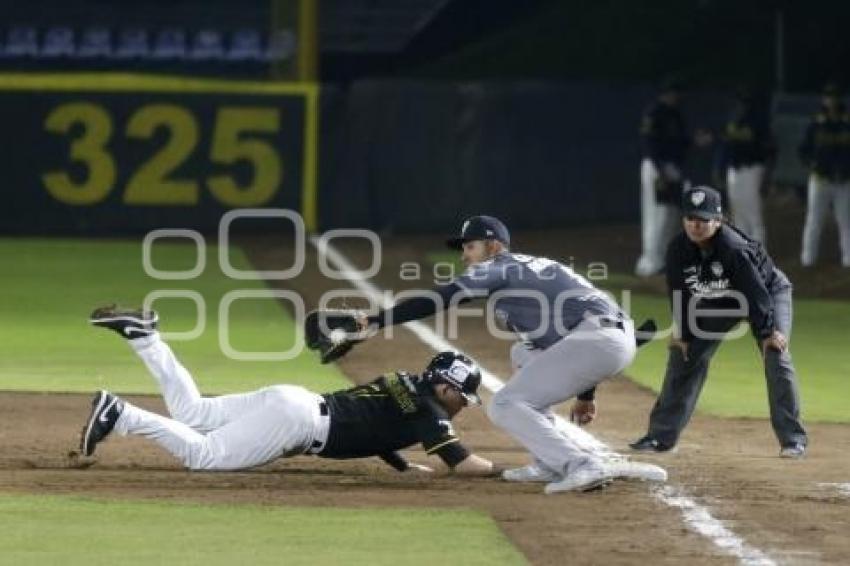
pixel 588 395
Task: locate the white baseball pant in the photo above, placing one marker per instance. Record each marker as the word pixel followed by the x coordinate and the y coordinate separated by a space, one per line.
pixel 744 185
pixel 229 432
pixel 544 378
pixel 659 222
pixel 822 194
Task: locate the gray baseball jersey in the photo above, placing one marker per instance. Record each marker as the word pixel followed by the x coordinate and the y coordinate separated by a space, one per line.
pixel 538 298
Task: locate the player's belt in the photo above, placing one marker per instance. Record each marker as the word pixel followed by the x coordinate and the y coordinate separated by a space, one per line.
pixel 603 321
pixel 318 445
pixel 610 322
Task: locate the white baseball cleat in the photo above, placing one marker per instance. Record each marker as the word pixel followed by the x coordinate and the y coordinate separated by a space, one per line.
pixel 637 471
pixel 587 476
pixel 530 473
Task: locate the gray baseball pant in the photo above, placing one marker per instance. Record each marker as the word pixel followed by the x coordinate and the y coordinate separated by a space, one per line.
pixel 684 380
pixel 744 188
pixel 544 378
pixel 823 193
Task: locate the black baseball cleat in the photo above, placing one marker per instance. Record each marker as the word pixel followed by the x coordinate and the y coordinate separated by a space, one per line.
pixel 106 408
pixel 128 323
pixel 649 444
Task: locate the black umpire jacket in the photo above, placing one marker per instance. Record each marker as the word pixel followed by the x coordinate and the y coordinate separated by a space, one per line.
pixel 733 262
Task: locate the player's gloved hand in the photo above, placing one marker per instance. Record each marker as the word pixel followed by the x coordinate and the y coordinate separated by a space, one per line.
pixel 582 412
pixel 333 332
pixel 776 341
pixel 419 468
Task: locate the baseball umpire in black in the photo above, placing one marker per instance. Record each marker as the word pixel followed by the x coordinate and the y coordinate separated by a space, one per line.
pixel 713 265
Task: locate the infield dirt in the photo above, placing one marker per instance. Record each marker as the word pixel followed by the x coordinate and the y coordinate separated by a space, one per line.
pixel 731 466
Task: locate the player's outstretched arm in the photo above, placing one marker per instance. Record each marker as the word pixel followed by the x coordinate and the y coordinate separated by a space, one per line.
pixel 414 308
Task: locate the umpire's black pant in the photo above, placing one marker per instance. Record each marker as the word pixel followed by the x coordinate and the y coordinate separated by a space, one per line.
pixel 684 379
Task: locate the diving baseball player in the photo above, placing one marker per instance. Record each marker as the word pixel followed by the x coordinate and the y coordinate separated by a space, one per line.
pixel 826 152
pixel 232 432
pixel 571 337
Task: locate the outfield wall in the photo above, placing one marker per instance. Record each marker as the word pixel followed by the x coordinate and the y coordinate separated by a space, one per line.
pixel 419 156
pixel 114 153
pixel 105 153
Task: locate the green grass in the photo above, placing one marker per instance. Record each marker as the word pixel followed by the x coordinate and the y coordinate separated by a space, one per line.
pixel 71 531
pixel 49 287
pixel 736 385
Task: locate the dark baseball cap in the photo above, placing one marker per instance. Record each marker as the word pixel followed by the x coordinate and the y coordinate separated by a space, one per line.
pixel 702 202
pixel 480 228
pixel 458 371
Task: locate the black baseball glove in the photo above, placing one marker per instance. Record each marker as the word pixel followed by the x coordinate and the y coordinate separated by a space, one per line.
pixel 333 332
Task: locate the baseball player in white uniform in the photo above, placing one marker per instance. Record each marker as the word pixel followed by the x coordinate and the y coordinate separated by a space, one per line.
pixel 232 432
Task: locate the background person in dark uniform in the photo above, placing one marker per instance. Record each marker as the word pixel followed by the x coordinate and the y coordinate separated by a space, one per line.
pixel 706 264
pixel 664 146
pixel 747 149
pixel 826 152
pixel 232 432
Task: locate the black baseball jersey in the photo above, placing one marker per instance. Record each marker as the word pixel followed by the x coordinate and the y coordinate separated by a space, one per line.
pixel 393 412
pixel 747 139
pixel 664 136
pixel 733 262
pixel 826 146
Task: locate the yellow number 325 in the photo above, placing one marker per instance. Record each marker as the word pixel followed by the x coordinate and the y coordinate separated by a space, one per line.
pixel 152 183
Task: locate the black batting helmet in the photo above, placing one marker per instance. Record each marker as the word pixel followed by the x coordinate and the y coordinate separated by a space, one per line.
pixel 458 371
